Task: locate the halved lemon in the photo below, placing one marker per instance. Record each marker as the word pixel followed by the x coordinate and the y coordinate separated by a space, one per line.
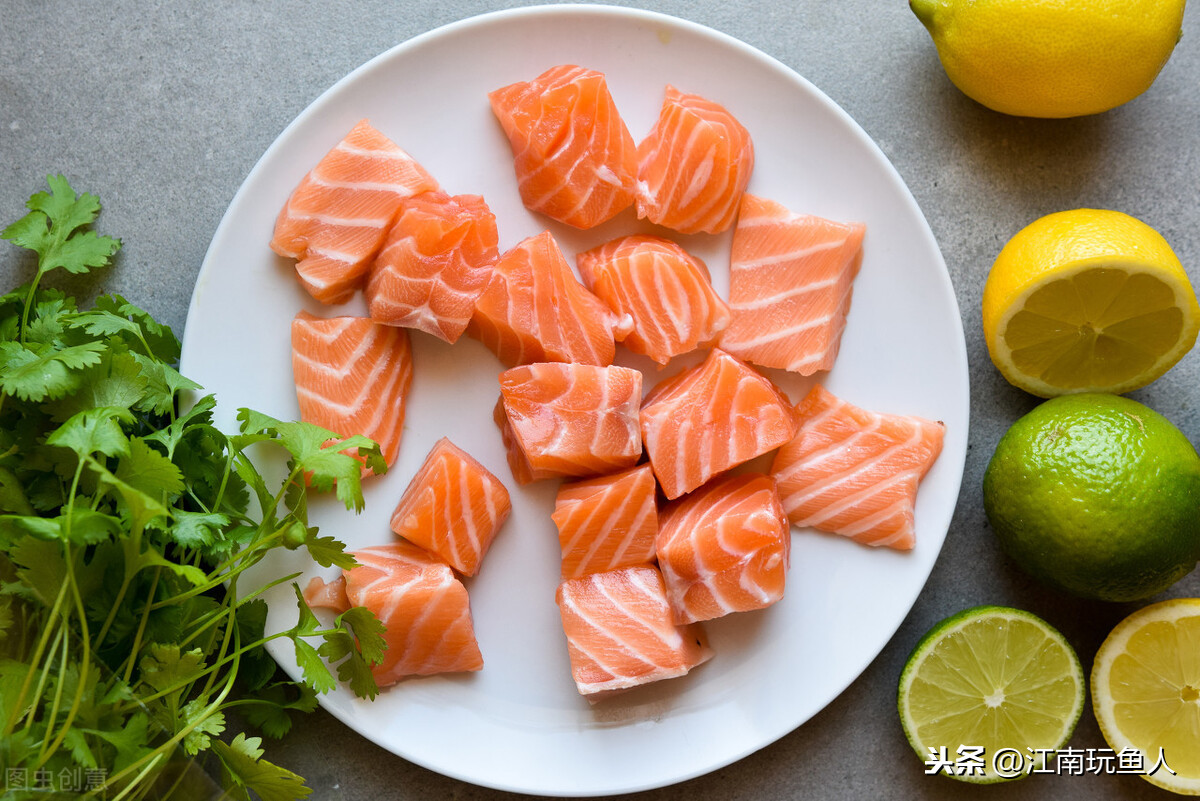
pixel 1146 692
pixel 990 682
pixel 1088 300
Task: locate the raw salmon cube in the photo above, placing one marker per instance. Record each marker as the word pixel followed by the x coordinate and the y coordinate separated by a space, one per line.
pixel 724 548
pixel 336 218
pixel 620 634
pixel 790 282
pixel 535 310
pixel 710 418
pixel 855 472
pixel 352 377
pixel 574 158
pixel 434 265
pixel 693 165
pixel 607 522
pixel 561 419
pixel 665 290
pixel 453 507
pixel 320 594
pixel 423 607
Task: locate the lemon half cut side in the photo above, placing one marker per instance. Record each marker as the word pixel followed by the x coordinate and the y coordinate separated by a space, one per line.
pixel 1087 300
pixel 1146 692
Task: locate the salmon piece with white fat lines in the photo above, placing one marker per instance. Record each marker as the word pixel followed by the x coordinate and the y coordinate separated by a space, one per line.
pixel 724 548
pixel 337 217
pixel 434 265
pixel 711 418
pixel 453 507
pixel 352 377
pixel 607 522
pixel 560 419
pixel 423 607
pixel 574 158
pixel 666 291
pixel 693 166
pixel 620 634
pixel 535 310
pixel 855 472
pixel 791 278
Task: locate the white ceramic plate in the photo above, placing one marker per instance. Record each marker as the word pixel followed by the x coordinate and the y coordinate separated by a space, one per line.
pixel 519 724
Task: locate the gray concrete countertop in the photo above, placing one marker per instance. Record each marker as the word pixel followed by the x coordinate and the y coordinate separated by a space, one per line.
pixel 161 109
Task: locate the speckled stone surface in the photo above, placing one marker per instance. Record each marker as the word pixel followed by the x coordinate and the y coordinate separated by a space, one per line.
pixel 162 108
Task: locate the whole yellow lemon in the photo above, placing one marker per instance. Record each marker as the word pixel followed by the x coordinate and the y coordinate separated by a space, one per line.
pixel 1052 58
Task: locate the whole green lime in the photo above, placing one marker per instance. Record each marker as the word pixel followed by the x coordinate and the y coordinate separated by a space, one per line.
pixel 1097 495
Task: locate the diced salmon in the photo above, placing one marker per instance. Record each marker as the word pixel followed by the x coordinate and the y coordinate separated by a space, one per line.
pixel 855 472
pixel 352 377
pixel 574 158
pixel 336 218
pixel 620 634
pixel 790 282
pixel 434 265
pixel 320 594
pixel 710 418
pixel 693 165
pixel 607 522
pixel 423 607
pixel 665 290
pixel 535 310
pixel 563 419
pixel 724 548
pixel 453 507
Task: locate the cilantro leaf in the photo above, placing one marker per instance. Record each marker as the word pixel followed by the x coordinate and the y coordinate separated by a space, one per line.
pixel 163 344
pixel 242 762
pixel 207 726
pixel 148 471
pixel 163 384
pixel 268 709
pixel 94 431
pixel 36 372
pixel 116 380
pixel 338 647
pixel 368 632
pixel 51 229
pixel 327 552
pixel 307 622
pixel 316 674
pixel 164 666
pixel 197 530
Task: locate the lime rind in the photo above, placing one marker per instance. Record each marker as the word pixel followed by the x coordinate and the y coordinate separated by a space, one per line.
pixel 931 644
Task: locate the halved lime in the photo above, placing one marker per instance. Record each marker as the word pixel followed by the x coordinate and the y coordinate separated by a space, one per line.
pixel 989 694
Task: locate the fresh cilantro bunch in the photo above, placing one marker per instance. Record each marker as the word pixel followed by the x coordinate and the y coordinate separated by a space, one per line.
pixel 126 520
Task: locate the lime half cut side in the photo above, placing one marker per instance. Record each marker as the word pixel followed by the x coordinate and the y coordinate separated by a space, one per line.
pixel 989 694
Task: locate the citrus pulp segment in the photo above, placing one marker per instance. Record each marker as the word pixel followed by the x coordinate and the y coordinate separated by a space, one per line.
pixel 1088 300
pixel 1146 691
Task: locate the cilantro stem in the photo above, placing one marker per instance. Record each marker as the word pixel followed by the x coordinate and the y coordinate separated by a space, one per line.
pixel 137 780
pixel 226 570
pixel 29 302
pixel 213 616
pixel 85 663
pixel 58 692
pixel 43 641
pixel 131 660
pixel 170 744
pixel 132 545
